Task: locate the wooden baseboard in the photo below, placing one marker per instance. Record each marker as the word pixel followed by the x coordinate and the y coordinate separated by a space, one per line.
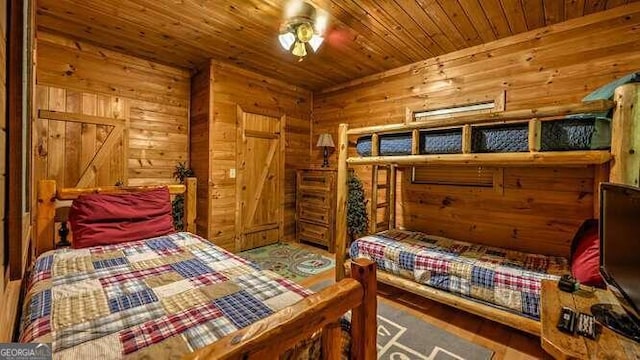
pixel 489 312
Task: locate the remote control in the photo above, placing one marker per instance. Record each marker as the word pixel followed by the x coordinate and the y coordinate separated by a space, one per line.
pixel 586 325
pixel 567 321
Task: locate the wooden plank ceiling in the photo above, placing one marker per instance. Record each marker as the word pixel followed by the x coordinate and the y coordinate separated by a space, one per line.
pixel 365 37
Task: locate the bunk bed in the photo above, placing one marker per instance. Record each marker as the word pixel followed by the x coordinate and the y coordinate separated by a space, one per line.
pixel 178 294
pixel 454 140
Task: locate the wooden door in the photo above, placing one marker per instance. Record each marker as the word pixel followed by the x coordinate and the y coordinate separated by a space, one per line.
pixel 80 139
pixel 260 180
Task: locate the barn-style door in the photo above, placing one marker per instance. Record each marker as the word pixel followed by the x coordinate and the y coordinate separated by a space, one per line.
pixel 80 139
pixel 260 180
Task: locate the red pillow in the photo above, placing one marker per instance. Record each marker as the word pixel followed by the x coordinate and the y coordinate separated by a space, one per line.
pixel 104 219
pixel 585 262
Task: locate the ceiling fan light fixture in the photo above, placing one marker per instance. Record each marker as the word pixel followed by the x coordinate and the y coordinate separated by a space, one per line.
pixel 303 25
pixel 321 22
pixel 299 9
pixel 286 40
pixel 315 42
pixel 299 49
pixel 304 32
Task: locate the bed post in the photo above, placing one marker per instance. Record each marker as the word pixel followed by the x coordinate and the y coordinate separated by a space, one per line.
pixel 373 214
pixel 364 323
pixel 45 214
pixel 341 207
pixel 190 199
pixel 331 337
pixel 625 136
pixel 392 196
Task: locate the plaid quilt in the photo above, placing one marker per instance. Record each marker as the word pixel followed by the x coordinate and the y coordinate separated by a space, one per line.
pixel 508 279
pixel 156 298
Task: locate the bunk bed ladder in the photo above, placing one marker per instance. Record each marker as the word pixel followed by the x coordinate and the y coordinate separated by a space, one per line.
pixel 387 220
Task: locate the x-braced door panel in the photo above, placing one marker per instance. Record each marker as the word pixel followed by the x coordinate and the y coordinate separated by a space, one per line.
pixel 79 150
pixel 260 198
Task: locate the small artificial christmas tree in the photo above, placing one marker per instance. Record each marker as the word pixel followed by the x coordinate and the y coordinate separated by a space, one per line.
pixel 177 205
pixel 357 218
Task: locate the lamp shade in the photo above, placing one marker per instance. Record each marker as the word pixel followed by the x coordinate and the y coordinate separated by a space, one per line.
pixel 315 42
pixel 299 49
pixel 286 40
pixel 325 140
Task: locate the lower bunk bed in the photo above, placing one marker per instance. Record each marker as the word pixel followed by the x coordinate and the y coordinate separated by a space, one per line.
pixel 498 284
pixel 178 295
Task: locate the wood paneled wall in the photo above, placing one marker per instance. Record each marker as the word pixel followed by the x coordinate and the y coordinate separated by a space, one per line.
pixel 233 86
pixel 9 290
pixel 4 253
pixel 528 209
pixel 81 78
pixel 201 155
pixel 553 65
pixel 297 156
pixel 213 121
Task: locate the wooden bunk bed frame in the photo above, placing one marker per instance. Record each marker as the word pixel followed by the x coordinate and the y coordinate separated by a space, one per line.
pixel 272 335
pixel 624 168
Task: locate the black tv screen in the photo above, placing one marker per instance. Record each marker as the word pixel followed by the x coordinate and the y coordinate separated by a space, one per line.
pixel 620 242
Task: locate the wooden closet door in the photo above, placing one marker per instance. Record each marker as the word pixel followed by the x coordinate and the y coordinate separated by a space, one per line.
pixel 260 180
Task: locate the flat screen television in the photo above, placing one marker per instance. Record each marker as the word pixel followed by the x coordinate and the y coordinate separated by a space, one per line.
pixel 620 257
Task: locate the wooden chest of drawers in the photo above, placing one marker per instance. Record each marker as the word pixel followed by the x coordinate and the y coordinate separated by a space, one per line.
pixel 315 206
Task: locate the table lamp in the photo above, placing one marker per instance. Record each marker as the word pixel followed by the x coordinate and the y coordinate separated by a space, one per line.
pixel 326 141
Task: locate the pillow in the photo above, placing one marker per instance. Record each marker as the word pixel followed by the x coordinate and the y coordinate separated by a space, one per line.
pixel 105 219
pixel 605 92
pixel 585 261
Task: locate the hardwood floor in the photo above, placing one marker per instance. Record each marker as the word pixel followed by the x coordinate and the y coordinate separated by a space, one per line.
pixel 507 343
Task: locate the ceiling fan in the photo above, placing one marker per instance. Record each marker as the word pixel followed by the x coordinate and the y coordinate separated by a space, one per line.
pixel 303 27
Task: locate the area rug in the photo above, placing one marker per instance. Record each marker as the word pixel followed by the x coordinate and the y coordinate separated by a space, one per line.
pixel 402 336
pixel 291 261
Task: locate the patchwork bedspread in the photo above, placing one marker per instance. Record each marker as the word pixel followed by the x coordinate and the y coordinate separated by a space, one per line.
pixel 508 279
pixel 154 298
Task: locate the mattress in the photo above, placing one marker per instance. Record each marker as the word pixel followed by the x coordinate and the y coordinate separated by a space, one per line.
pixel 501 138
pixel 577 132
pixel 431 142
pixel 507 279
pixel 156 298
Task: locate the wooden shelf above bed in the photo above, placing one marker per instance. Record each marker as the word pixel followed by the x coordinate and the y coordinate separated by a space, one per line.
pixel 467 123
pixel 542 113
pixel 586 157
